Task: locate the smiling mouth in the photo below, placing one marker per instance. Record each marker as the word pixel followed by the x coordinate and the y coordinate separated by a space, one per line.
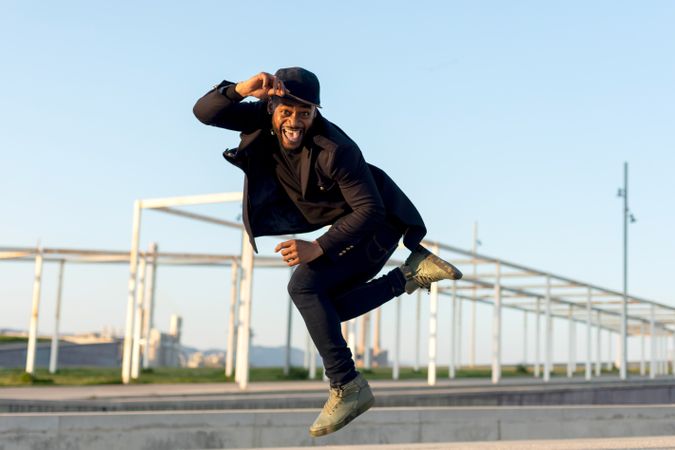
pixel 293 135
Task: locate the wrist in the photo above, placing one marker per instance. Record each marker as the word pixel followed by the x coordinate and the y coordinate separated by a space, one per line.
pixel 319 249
pixel 239 89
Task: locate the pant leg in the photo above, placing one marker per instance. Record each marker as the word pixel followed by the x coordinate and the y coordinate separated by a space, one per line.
pixel 368 296
pixel 325 291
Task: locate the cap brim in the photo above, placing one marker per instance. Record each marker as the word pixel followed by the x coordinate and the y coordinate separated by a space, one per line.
pixel 298 99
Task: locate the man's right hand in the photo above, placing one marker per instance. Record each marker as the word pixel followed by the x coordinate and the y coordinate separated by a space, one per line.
pixel 261 86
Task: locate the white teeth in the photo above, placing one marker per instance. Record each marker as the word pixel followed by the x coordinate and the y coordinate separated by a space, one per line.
pixel 292 135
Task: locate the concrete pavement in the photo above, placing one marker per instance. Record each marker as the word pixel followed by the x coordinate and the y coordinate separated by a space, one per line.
pixel 288 428
pixel 661 443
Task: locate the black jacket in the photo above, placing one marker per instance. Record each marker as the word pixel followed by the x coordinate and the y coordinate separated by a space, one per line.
pixel 351 195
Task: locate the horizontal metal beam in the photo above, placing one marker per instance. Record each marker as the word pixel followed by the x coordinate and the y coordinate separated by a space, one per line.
pixel 204 199
pixel 511 265
pixel 558 300
pixel 201 217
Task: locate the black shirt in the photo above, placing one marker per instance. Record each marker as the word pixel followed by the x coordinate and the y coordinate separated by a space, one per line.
pixel 288 170
pixel 317 211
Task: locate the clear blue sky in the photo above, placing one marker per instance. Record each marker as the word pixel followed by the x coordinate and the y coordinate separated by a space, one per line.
pixel 518 115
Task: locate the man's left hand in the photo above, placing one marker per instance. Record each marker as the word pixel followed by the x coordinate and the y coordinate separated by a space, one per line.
pixel 297 251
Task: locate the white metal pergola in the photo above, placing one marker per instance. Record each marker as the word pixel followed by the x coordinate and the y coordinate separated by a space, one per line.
pixel 145 297
pixel 505 284
pixel 499 284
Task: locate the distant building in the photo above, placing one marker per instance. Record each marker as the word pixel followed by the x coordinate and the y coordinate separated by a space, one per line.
pixel 164 349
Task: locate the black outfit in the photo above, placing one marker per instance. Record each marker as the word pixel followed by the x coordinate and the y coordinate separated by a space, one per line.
pixel 324 182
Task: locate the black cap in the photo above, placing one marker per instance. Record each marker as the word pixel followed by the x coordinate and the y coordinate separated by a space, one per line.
pixel 301 84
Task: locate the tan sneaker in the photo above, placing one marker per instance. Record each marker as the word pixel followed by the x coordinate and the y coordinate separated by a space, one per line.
pixel 423 268
pixel 344 404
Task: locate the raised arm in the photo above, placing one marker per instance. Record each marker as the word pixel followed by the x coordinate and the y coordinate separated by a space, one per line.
pixel 222 106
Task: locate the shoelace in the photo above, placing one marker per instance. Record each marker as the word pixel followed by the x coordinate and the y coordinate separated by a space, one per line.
pixel 424 281
pixel 335 394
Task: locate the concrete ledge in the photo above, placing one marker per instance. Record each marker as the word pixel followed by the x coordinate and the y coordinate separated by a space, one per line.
pixel 287 428
pixel 313 395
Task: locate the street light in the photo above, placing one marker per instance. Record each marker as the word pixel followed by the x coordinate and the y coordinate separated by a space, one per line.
pixel 627 216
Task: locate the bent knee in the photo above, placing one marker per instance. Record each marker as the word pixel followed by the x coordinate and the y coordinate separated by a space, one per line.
pixel 301 284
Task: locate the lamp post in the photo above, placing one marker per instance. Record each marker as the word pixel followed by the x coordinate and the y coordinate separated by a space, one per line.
pixel 624 304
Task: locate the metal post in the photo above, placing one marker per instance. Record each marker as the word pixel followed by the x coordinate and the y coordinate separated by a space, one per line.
pixel 660 365
pixel 351 341
pixel 610 351
pixel 549 332
pixel 624 307
pixel 376 332
pixel 362 338
pixel 664 345
pixel 642 349
pixel 570 343
pixel 244 328
pixel 138 322
pixel 525 338
pixel 149 314
pixel 617 356
pixel 589 319
pixel 418 319
pixel 657 358
pixel 453 325
pixel 433 323
pixel 289 324
pixel 232 320
pixel 367 363
pixel 131 294
pixel 672 356
pixel 308 350
pixel 666 358
pixel 662 340
pixel 598 346
pixel 460 317
pixel 397 340
pixel 666 364
pixel 497 328
pixel 537 340
pixel 574 348
pixel 472 331
pixel 312 361
pixel 662 354
pixel 54 353
pixel 33 330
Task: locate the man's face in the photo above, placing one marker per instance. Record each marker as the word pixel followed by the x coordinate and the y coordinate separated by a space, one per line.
pixel 291 121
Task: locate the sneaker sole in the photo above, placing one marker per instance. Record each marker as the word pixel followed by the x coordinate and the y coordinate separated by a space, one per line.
pixel 453 272
pixel 324 431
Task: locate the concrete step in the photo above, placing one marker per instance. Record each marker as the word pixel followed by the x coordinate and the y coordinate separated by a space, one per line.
pixel 291 395
pixel 288 428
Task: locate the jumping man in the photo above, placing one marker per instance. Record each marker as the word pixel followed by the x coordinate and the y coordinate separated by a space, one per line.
pixel 303 173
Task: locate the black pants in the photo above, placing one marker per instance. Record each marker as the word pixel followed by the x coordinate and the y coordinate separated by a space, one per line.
pixel 328 292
